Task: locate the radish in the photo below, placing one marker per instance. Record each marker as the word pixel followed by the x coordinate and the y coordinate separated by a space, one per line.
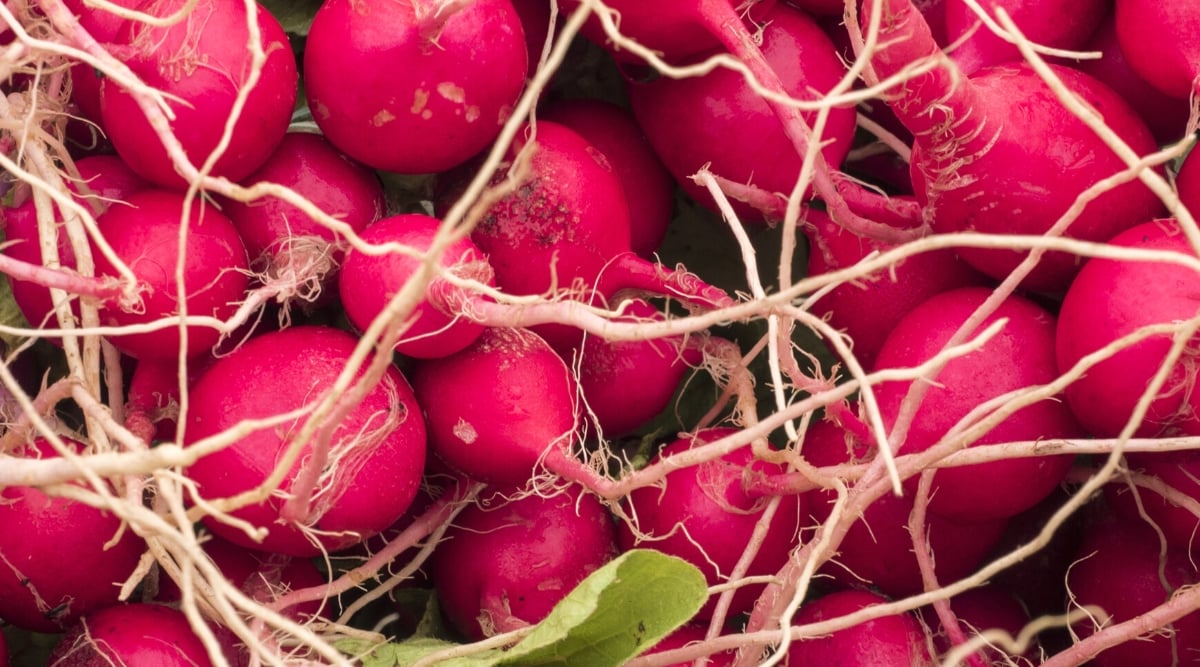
pixel 1177 470
pixel 897 640
pixel 648 186
pixel 200 63
pixel 137 634
pixel 691 633
pixel 292 252
pixel 430 84
pixel 867 309
pixel 145 235
pixel 979 160
pixel 985 609
pixel 368 282
pixel 1021 356
pixel 103 180
pixel 704 516
pixel 505 566
pixel 521 413
pixel 718 119
pixel 567 225
pixel 1148 577
pixel 1110 299
pixel 1161 41
pixel 1062 24
pixel 1187 182
pixel 356 475
pixel 36 529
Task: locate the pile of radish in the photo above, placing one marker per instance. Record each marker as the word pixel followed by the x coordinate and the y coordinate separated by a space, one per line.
pixel 382 332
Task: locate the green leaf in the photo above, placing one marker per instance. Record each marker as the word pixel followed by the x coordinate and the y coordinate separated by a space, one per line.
pixel 294 15
pixel 616 613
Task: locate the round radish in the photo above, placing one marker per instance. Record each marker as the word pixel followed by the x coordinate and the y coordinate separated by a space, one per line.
pixel 286 246
pixel 1110 299
pixel 368 282
pixel 691 633
pixel 145 235
pixel 704 516
pixel 889 641
pixel 136 634
pixel 414 86
pixel 374 452
pixel 1178 470
pixel 1161 41
pixel 504 566
pixel 648 186
pixel 200 63
pixel 985 145
pixel 1020 356
pixel 719 120
pixel 36 530
pixel 1063 24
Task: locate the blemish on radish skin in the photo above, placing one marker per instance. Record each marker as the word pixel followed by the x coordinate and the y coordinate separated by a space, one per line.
pixel 420 99
pixel 382 118
pixel 465 431
pixel 452 92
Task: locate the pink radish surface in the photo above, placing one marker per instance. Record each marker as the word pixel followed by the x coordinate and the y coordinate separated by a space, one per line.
pixel 200 62
pixel 507 563
pixel 1110 299
pixel 36 592
pixel 136 634
pixel 376 448
pixel 889 641
pixel 1061 24
pixel 410 86
pixel 145 235
pixel 1161 40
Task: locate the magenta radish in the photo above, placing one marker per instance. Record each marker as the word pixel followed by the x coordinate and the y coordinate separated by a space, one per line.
pixel 703 515
pixel 648 186
pixel 368 282
pixel 145 235
pixel 979 159
pixel 626 383
pixel 567 226
pixel 868 308
pixel 200 63
pixel 357 474
pixel 104 179
pixel 522 411
pixel 137 634
pixel 433 82
pixel 152 398
pixel 1020 356
pixel 505 566
pixel 719 120
pixel 690 634
pixel 979 610
pixel 1121 568
pixel 1161 41
pixel 1178 470
pixel 897 640
pixel 535 23
pixel 291 251
pixel 1061 24
pixel 958 547
pixel 36 592
pixel 1110 299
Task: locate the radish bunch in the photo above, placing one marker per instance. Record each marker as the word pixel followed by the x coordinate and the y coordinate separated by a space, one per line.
pixel 389 328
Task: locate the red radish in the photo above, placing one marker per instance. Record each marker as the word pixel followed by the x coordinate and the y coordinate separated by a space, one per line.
pixel 1166 116
pixel 136 634
pixel 569 222
pixel 104 179
pixel 1147 578
pixel 200 63
pixel 648 186
pixel 980 610
pixel 980 160
pixel 704 516
pixel 626 383
pixel 432 83
pixel 1177 470
pixel 145 235
pixel 889 641
pixel 535 23
pixel 36 530
pixel 718 119
pixel 292 252
pixel 1110 299
pixel 958 546
pixel 506 566
pixel 369 454
pixel 1062 24
pixel 522 410
pixel 368 282
pixel 867 309
pixel 692 633
pixel 1021 356
pixel 152 400
pixel 1161 41
pixel 262 576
